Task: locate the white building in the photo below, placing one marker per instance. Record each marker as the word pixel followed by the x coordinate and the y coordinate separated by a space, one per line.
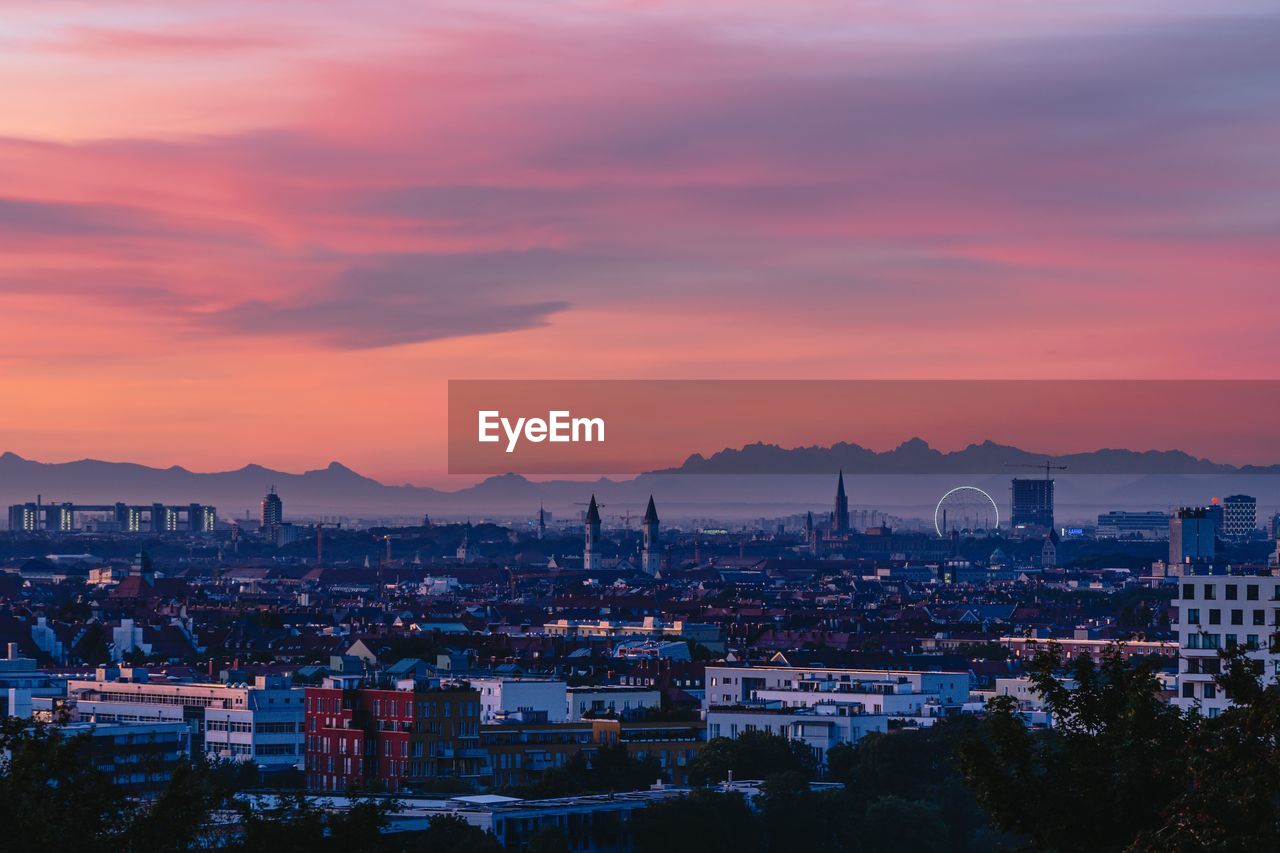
pixel 21 682
pixel 824 707
pixel 532 698
pixel 820 726
pixel 260 722
pixel 624 701
pixel 1216 612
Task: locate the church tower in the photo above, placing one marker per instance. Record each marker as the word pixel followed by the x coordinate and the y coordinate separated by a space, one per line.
pixel 840 518
pixel 542 522
pixel 649 558
pixel 591 556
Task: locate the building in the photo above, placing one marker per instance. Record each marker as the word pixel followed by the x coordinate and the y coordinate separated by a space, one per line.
pixel 1133 525
pixel 260 722
pixel 1032 503
pixel 623 701
pixel 592 558
pixel 1239 517
pixel 650 627
pixel 840 514
pixel 382 738
pixel 272 515
pixel 140 758
pixel 528 699
pixel 1192 531
pixel 67 517
pixel 650 556
pixel 21 682
pixel 824 707
pixel 1217 612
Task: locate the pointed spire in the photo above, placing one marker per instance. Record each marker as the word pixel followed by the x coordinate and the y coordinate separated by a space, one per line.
pixel 650 513
pixel 593 512
pixel 840 485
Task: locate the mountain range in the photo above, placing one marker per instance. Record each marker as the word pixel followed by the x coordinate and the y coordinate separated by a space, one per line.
pixel 755 480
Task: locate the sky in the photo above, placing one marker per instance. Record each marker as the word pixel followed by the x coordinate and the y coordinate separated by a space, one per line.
pixel 271 232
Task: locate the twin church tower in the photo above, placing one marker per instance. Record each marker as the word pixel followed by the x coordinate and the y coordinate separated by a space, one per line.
pixel 650 560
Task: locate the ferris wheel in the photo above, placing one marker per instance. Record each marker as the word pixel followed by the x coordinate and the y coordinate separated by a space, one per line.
pixel 968 507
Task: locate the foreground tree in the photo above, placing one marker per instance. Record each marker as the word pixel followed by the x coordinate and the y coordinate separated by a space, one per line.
pixel 752 755
pixel 1103 776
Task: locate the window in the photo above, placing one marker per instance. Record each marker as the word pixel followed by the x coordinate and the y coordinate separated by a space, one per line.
pixel 1193 616
pixel 1188 591
pixel 1188 691
pixel 1251 592
pixel 1215 617
pixel 1233 592
pixel 1259 617
pixel 1210 592
pixel 1211 691
pixel 1237 617
pixel 1251 641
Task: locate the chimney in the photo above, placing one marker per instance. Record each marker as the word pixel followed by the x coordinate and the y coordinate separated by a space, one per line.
pixel 12 651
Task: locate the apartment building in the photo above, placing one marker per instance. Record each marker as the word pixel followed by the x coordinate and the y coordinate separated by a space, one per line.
pixel 541 700
pixel 389 738
pixel 1215 612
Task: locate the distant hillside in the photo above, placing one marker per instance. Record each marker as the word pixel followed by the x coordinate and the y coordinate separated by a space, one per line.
pixel 917 457
pixel 755 480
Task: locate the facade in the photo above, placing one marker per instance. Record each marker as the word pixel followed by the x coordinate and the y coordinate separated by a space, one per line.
pixel 1192 531
pixel 649 627
pixel 823 707
pixel 1032 503
pixel 1133 525
pixel 374 738
pixel 140 758
pixel 272 515
pixel 260 722
pixel 1216 612
pixel 112 518
pixel 21 682
pixel 622 701
pixel 530 699
pixel 1239 517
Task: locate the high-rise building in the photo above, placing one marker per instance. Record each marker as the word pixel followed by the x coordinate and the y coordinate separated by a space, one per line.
pixel 272 515
pixel 1192 531
pixel 1239 517
pixel 1032 503
pixel 649 559
pixel 592 559
pixel 840 516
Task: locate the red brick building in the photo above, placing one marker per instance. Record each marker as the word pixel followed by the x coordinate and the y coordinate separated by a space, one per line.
pixel 388 739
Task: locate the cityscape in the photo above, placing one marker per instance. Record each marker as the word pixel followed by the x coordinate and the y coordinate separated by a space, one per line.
pixel 635 426
pixel 480 671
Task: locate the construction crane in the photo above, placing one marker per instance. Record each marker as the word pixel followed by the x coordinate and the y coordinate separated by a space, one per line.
pixel 1047 465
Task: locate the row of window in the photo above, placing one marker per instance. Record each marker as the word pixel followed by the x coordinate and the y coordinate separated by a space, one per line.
pixel 1230 591
pixel 1257 617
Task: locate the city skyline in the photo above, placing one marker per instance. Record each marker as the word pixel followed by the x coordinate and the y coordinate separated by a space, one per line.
pixel 260 236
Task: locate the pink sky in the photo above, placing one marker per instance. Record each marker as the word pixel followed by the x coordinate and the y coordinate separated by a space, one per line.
pixel 236 232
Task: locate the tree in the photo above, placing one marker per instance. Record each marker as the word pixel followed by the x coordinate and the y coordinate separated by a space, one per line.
pixel 752 755
pixel 1102 776
pixel 918 766
pixel 51 792
pixel 702 821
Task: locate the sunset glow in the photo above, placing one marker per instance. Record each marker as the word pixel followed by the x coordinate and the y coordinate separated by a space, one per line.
pixel 270 233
